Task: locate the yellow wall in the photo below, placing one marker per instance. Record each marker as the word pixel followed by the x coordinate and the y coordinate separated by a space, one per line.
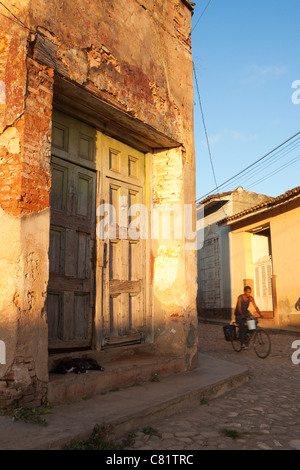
pixel 286 262
pixel 284 230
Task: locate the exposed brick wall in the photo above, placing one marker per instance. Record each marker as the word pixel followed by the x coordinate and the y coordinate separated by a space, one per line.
pixel 167 177
pixel 135 54
pixel 25 178
pixel 36 173
pixel 13 72
pixel 25 147
pixel 21 387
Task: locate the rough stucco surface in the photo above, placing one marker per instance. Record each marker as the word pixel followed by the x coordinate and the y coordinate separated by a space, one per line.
pixel 136 56
pixel 22 324
pixel 141 50
pixel 25 131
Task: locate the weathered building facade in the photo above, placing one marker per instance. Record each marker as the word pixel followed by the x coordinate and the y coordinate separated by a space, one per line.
pixel 96 104
pixel 214 258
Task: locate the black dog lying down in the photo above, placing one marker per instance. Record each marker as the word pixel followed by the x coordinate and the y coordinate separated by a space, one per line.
pixel 77 365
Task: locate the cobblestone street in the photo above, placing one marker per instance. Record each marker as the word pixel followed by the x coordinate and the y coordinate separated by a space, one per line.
pixel 264 414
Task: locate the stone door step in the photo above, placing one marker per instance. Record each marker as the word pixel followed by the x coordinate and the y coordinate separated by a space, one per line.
pixel 127 409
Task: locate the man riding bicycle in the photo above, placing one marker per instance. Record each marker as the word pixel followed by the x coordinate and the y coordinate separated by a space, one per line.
pixel 242 312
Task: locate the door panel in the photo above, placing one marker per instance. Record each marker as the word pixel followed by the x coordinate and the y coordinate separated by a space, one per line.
pixel 70 305
pixel 210 274
pixel 262 264
pixel 263 285
pixel 56 252
pixel 54 305
pixel 124 275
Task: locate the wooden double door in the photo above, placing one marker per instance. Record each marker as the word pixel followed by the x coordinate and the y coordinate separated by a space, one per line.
pixel 96 289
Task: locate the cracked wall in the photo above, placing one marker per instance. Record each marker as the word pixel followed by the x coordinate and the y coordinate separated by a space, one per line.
pixel 25 131
pixel 131 52
pixel 135 56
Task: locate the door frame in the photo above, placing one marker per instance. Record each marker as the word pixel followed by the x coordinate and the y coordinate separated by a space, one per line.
pixel 97 165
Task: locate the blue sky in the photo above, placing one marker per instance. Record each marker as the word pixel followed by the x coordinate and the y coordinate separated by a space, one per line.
pixel 247 56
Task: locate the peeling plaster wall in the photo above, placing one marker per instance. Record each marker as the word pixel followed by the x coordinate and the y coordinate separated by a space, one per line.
pixel 25 143
pixel 136 56
pixel 174 278
pixel 23 259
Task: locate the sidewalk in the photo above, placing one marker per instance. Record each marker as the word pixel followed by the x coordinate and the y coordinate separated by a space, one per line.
pixel 127 409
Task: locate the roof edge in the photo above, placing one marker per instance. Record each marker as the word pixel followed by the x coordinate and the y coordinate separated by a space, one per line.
pixel 189 5
pixel 214 196
pixel 269 204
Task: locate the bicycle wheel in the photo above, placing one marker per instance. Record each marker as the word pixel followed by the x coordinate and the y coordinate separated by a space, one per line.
pixel 235 341
pixel 262 343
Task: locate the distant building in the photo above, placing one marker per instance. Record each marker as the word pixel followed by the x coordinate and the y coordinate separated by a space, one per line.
pixel 214 259
pixel 264 254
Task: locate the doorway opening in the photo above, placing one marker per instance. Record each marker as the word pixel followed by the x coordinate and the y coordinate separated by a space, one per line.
pixel 263 270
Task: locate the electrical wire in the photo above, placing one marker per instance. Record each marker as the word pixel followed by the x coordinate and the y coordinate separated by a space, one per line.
pixel 223 185
pixel 253 164
pixel 261 167
pixel 268 164
pixel 206 135
pixel 205 130
pixel 201 108
pixel 18 22
pixel 283 167
pixel 201 16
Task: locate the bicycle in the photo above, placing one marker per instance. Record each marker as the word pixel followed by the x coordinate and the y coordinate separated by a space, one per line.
pixel 260 338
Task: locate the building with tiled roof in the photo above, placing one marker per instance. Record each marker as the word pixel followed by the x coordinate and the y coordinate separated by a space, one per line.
pixel 270 203
pixel 214 289
pixel 265 254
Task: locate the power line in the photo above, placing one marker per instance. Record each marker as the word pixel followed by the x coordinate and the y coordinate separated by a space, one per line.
pixel 291 162
pixel 201 15
pixel 262 166
pixel 18 22
pixel 201 107
pixel 206 136
pixel 262 163
pixel 271 161
pixel 248 167
pixel 205 130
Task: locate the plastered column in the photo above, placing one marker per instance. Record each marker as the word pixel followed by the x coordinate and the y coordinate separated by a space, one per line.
pixel 175 322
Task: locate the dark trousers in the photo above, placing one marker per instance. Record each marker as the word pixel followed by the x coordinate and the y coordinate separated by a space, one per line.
pixel 241 322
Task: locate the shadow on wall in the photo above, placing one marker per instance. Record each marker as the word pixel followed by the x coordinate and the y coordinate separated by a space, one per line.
pixel 214 299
